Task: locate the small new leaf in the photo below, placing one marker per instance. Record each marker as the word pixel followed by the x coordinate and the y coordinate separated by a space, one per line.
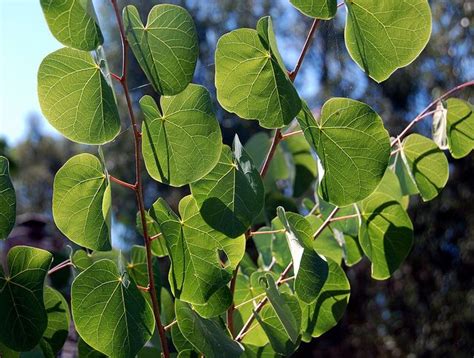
pixel 460 127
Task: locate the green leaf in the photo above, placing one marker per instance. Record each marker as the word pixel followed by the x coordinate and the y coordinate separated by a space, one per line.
pixel 58 319
pixel 352 251
pixel 183 143
pixel 82 201
pixel 207 336
pixel 76 98
pixel 266 351
pixel 353 146
pixel 194 247
pixel 24 317
pixel 383 36
pixel 324 313
pixel 166 48
pixel 460 127
pixel 158 245
pixel 386 234
pixel 428 165
pixel 218 303
pixel 271 324
pixel 310 268
pixel 263 244
pixel 282 309
pixel 86 351
pixel 72 22
pixel 109 311
pixel 325 244
pixel 390 185
pixel 404 175
pixel 7 200
pixel 319 9
pixel 231 196
pixel 250 80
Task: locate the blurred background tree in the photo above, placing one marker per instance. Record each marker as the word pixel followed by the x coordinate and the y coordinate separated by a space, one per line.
pixel 427 308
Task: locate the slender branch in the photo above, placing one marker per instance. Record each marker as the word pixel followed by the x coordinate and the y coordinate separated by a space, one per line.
pixel 122 183
pixel 144 289
pixel 271 152
pixel 255 233
pixel 139 185
pixel 231 309
pixel 326 222
pixel 425 112
pixel 341 218
pixel 287 135
pixel 60 266
pixel 168 327
pixel 157 236
pixel 306 46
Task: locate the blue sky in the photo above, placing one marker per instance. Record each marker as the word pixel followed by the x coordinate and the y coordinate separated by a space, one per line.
pixel 24 41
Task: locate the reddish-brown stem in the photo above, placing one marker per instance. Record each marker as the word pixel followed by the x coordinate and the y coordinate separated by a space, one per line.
pixel 290 134
pixel 271 152
pixel 122 183
pixel 144 289
pixel 139 185
pixel 425 113
pixel 231 309
pixel 326 222
pixel 60 266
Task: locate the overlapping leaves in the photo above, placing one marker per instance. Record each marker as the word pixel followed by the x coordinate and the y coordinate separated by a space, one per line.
pixel 251 80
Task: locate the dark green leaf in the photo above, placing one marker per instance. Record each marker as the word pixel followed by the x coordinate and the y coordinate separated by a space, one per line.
pixel 58 319
pixel 7 200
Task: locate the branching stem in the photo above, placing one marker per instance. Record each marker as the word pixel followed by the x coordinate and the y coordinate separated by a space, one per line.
pixel 139 184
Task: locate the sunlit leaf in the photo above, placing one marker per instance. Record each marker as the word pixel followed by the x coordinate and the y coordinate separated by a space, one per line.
pixel 76 99
pixel 383 36
pixel 320 9
pixel 250 79
pixel 183 143
pixel 218 303
pixel 428 165
pixel 23 312
pixel 82 201
pixel 109 312
pixel 460 127
pixel 166 48
pixel 59 318
pixel 353 146
pixel 73 23
pixel 7 200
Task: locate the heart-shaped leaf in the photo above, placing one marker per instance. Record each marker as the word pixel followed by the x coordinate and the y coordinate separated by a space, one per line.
pixel 460 127
pixel 320 9
pixel 383 36
pixel 353 146
pixel 166 48
pixel 182 144
pixel 72 23
pixel 24 317
pixel 250 80
pixel 7 200
pixel 231 196
pixel 82 201
pixel 197 270
pixel 110 313
pixel 76 98
pixel 386 234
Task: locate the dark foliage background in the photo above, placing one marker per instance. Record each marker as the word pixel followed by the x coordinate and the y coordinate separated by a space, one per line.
pixel 427 308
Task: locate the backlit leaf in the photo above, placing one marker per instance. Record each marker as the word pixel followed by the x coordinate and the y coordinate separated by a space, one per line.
pixel 320 9
pixel 7 200
pixel 72 23
pixel 250 80
pixel 197 269
pixel 76 99
pixel 81 202
pixel 231 196
pixel 182 144
pixel 353 146
pixel 109 311
pixel 24 317
pixel 166 48
pixel 59 318
pixel 383 36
